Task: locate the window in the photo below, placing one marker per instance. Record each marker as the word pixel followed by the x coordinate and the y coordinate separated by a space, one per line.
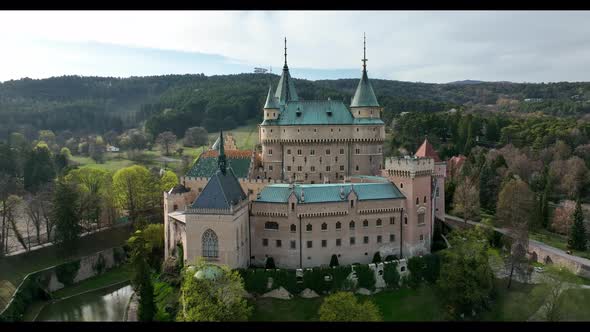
pixel 365 239
pixel 357 151
pixel 328 151
pixel 352 240
pixel 288 151
pixel 421 237
pixel 288 168
pixel 279 243
pixel 417 201
pixel 313 168
pixel 210 244
pixel 379 238
pixel 327 168
pixel 265 242
pixel 270 167
pixel 424 199
pixel 309 244
pixel 293 244
pixel 175 207
pixel 308 228
pixel 335 159
pixel 420 218
pixel 357 167
pixel 271 225
pixel 338 225
pixel 351 225
pixel 338 242
pixel 341 151
pixel 378 223
pixel 392 220
pixel 292 206
pixel 270 152
pixel 299 152
pixel 405 220
pixel 391 237
pixel 342 167
pixel 306 176
pixel 401 185
pixel 293 228
pixel 436 192
pixel 299 168
pixel 365 223
pixel 324 227
pixel 351 203
pixel 312 152
pixel 324 243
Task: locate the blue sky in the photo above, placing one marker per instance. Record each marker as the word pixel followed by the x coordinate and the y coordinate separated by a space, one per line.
pixel 413 46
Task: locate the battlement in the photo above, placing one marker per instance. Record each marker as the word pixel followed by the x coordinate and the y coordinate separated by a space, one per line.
pixel 241 180
pixel 409 166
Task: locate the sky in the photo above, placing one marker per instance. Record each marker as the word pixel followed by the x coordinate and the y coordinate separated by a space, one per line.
pixel 415 46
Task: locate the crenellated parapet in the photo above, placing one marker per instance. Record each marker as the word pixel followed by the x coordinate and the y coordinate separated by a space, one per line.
pixel 410 167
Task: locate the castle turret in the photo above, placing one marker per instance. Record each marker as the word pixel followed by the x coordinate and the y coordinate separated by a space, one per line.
pixel 364 103
pixel 271 106
pixel 286 89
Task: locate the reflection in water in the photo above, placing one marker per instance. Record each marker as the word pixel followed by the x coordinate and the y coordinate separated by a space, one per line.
pixel 107 304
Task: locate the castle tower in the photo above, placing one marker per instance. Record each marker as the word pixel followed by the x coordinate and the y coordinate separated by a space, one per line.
pixel 364 103
pixel 271 106
pixel 286 89
pixel 438 181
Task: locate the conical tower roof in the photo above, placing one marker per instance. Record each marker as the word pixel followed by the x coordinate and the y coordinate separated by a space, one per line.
pixel 364 95
pixel 427 150
pixel 271 101
pixel 286 89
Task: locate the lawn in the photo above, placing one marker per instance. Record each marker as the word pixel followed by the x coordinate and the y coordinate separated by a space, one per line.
pixel 14 268
pixel 518 303
pixel 246 136
pixel 113 276
pixel 400 305
pixel 576 305
pixel 557 241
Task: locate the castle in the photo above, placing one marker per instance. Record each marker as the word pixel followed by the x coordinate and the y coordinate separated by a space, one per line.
pixel 317 186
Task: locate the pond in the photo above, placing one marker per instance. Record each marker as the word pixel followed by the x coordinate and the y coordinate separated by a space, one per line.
pixel 107 304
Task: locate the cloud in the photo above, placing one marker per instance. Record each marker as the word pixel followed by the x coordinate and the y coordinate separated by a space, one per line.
pixel 405 45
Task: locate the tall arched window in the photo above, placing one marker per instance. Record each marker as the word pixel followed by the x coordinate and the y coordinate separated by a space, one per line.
pixel 417 201
pixel 351 225
pixel 324 227
pixel 365 223
pixel 210 245
pixel 424 199
pixel 293 228
pixel 338 225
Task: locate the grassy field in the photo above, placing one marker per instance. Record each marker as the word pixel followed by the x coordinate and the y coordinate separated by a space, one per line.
pixel 517 303
pixel 400 305
pixel 116 275
pixel 246 136
pixel 14 268
pixel 576 305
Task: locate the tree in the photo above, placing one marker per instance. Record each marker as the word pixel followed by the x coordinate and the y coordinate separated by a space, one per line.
pixel 466 279
pixel 334 261
pixel 140 279
pixel 345 307
pixel 212 293
pixel 154 237
pixel 91 183
pixel 514 211
pixel 466 199
pixel 65 216
pixel 563 217
pixel 39 168
pixel 38 209
pixel 377 257
pixel 577 237
pixel 270 263
pixel 390 275
pixel 96 149
pixel 133 190
pixel 167 141
pixel 168 180
pixel 195 136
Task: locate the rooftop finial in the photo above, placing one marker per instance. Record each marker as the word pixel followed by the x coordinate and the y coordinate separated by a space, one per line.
pixel 221 160
pixel 364 52
pixel 285 51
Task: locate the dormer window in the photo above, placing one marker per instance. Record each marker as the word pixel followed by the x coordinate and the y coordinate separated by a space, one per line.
pixel 329 113
pixel 298 113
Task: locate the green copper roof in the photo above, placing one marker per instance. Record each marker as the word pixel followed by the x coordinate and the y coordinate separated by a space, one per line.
pixel 322 193
pixel 206 167
pixel 271 101
pixel 364 95
pixel 286 88
pixel 317 112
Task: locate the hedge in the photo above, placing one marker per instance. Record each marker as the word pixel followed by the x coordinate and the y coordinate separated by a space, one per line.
pixel 366 277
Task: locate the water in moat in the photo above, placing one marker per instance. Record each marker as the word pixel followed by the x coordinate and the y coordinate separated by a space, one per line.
pixel 108 304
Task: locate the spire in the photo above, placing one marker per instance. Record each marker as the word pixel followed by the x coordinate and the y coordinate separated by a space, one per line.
pixel 364 95
pixel 427 150
pixel 271 101
pixel 286 89
pixel 221 160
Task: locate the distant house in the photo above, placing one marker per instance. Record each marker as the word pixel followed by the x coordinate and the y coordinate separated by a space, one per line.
pixel 452 110
pixel 111 148
pixel 533 100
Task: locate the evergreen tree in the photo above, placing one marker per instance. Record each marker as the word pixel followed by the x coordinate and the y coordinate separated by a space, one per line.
pixel 577 238
pixel 38 168
pixel 377 257
pixel 140 279
pixel 65 215
pixel 334 261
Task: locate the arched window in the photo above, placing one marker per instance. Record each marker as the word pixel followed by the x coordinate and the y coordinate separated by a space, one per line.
pixel 424 199
pixel 365 223
pixel 210 245
pixel 417 201
pixel 351 225
pixel 324 227
pixel 271 225
pixel 401 185
pixel 378 223
pixel 338 225
pixel 293 228
pixel 308 227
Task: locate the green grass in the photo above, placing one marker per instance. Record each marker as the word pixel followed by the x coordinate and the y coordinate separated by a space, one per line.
pixel 296 309
pixel 246 136
pixel 557 241
pixel 518 303
pixel 576 304
pixel 111 164
pixel 14 268
pixel 116 275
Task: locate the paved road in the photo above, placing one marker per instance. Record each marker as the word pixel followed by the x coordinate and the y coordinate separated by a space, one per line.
pixel 542 245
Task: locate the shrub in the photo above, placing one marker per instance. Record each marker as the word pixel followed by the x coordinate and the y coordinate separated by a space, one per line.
pixel 339 278
pixel 270 263
pixel 100 264
pixel 390 258
pixel 390 275
pixel 366 277
pixel 377 257
pixel 66 273
pixel 119 255
pixel 314 279
pixel 286 279
pixel 425 268
pixel 255 281
pixel 334 261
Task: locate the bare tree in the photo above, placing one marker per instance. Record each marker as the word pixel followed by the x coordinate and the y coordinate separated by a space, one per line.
pixel 167 140
pixel 466 199
pixel 514 211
